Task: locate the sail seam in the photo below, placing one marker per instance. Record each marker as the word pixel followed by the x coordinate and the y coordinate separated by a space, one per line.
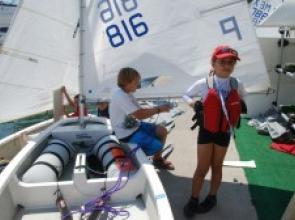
pixel 219 7
pixel 48 17
pixel 21 55
pixel 18 85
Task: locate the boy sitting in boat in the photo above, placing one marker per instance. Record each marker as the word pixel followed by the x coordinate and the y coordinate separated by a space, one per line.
pixel 74 103
pixel 126 113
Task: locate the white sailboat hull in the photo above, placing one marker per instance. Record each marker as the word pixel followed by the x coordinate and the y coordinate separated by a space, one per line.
pixel 143 196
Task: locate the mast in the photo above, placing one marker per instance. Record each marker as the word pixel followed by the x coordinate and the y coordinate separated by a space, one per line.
pixel 81 64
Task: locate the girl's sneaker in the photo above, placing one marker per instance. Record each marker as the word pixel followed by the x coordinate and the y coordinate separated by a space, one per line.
pixel 209 202
pixel 191 207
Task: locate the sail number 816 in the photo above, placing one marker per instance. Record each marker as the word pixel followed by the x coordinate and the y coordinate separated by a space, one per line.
pixel 132 28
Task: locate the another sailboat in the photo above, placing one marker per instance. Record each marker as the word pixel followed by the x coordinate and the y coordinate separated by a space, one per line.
pixel 156 37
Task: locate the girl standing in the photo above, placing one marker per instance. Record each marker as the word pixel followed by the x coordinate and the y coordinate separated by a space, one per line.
pixel 220 95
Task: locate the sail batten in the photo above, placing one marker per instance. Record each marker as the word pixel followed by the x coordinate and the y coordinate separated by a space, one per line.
pixel 219 7
pixel 29 56
pixel 69 25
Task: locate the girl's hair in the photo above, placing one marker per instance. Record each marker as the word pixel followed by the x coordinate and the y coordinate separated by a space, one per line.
pixel 126 75
pixel 211 72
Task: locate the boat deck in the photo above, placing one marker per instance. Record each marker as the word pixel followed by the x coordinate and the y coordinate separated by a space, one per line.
pixel 234 201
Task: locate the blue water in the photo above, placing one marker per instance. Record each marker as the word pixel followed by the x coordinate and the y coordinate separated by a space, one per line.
pixel 11 127
pixel 6 129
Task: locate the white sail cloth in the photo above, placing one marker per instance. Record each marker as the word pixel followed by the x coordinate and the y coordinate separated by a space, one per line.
pixel 39 55
pixel 170 39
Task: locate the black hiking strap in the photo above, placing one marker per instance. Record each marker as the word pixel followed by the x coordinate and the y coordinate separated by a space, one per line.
pixel 64 146
pixel 57 155
pixel 103 143
pixel 53 168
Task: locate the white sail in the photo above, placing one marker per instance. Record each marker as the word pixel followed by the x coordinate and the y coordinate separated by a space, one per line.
pixel 168 38
pixel 39 55
pixel 172 40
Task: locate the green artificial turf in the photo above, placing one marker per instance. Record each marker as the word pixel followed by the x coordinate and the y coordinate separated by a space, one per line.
pixel 272 183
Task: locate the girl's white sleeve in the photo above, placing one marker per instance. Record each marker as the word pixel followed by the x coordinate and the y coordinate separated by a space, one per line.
pixel 192 92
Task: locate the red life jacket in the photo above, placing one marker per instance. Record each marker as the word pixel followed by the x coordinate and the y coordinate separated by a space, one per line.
pixel 214 117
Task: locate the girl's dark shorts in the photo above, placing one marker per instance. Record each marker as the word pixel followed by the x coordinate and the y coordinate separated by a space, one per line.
pixel 219 138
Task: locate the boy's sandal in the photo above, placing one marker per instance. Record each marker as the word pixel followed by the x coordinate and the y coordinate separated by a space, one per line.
pixel 163 164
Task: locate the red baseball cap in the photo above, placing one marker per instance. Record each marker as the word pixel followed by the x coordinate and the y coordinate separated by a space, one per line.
pixel 224 51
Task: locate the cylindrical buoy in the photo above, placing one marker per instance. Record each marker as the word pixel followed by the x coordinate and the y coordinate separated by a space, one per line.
pixel 49 166
pixel 112 155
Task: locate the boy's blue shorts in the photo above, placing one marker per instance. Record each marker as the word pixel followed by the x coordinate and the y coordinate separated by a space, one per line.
pixel 145 137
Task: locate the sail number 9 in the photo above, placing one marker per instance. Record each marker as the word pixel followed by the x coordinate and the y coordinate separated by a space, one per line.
pixel 118 33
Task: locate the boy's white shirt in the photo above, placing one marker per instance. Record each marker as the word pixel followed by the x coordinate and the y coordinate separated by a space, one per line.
pixel 121 105
pixel 200 89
